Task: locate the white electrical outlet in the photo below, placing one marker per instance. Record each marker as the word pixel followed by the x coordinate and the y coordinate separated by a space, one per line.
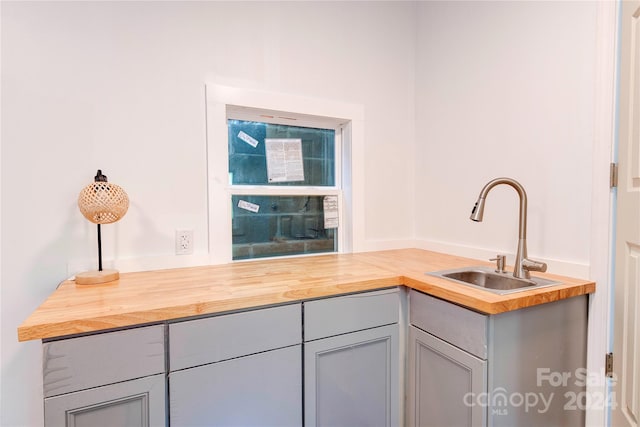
pixel 184 242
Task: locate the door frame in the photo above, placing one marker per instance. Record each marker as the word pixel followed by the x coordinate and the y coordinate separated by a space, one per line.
pixel 600 338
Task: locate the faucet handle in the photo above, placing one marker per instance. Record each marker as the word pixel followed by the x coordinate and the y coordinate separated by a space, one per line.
pixel 531 265
pixel 500 263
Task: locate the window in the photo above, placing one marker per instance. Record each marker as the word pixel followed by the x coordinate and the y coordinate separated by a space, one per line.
pixel 286 225
pixel 248 150
pixel 279 174
pixel 263 158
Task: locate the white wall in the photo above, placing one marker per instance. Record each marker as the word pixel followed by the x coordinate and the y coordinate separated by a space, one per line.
pixel 506 89
pixel 119 86
pixel 454 94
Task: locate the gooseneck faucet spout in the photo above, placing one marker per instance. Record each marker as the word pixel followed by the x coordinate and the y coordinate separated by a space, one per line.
pixel 522 264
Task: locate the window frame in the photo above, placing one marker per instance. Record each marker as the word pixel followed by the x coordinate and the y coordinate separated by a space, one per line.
pixel 225 103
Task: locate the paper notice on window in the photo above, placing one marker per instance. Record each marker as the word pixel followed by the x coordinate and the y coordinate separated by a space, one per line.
pixel 330 206
pixel 248 139
pixel 284 160
pixel 248 206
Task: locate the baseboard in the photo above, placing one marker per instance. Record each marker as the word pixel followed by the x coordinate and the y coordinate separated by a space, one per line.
pixel 162 262
pixel 385 245
pixel 145 263
pixel 561 267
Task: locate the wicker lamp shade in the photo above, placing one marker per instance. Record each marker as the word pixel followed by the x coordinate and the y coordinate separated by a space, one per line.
pixel 101 203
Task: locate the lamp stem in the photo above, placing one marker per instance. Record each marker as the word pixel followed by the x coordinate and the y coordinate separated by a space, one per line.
pixel 99 249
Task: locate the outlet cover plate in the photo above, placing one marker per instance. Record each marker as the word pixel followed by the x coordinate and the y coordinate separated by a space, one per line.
pixel 184 242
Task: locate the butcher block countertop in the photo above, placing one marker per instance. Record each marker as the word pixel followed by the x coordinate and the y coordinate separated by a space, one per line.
pixel 155 296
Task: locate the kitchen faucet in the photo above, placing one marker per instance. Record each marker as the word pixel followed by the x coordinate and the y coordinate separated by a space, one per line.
pixel 522 264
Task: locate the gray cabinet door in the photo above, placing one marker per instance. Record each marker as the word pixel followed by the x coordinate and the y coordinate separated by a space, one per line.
pixel 446 385
pixel 263 389
pixel 352 379
pixel 134 403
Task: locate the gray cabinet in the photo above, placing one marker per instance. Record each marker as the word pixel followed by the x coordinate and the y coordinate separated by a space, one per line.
pixel 339 367
pixel 467 368
pixel 241 369
pixel 351 354
pixel 108 379
pixel 442 375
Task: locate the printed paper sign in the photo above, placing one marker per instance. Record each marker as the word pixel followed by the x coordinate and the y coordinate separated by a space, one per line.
pixel 248 206
pixel 248 139
pixel 330 206
pixel 284 160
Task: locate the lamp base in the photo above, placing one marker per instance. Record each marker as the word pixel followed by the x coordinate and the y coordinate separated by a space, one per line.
pixel 96 277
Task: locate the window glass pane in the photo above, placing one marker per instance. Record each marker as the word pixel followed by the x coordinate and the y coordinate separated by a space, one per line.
pixel 248 157
pixel 267 226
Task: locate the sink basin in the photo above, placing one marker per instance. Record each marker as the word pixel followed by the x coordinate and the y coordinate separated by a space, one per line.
pixel 486 278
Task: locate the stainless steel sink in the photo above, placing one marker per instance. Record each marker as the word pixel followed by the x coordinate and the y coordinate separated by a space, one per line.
pixel 488 279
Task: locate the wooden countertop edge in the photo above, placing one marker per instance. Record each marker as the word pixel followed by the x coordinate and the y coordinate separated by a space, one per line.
pixel 140 318
pixel 41 326
pixel 46 330
pixel 501 303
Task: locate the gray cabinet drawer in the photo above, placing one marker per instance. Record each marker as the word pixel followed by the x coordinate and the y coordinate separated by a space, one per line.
pixel 457 325
pixel 340 315
pixel 198 342
pixel 79 363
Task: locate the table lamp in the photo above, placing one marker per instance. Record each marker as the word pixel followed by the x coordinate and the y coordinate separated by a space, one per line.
pixel 101 202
